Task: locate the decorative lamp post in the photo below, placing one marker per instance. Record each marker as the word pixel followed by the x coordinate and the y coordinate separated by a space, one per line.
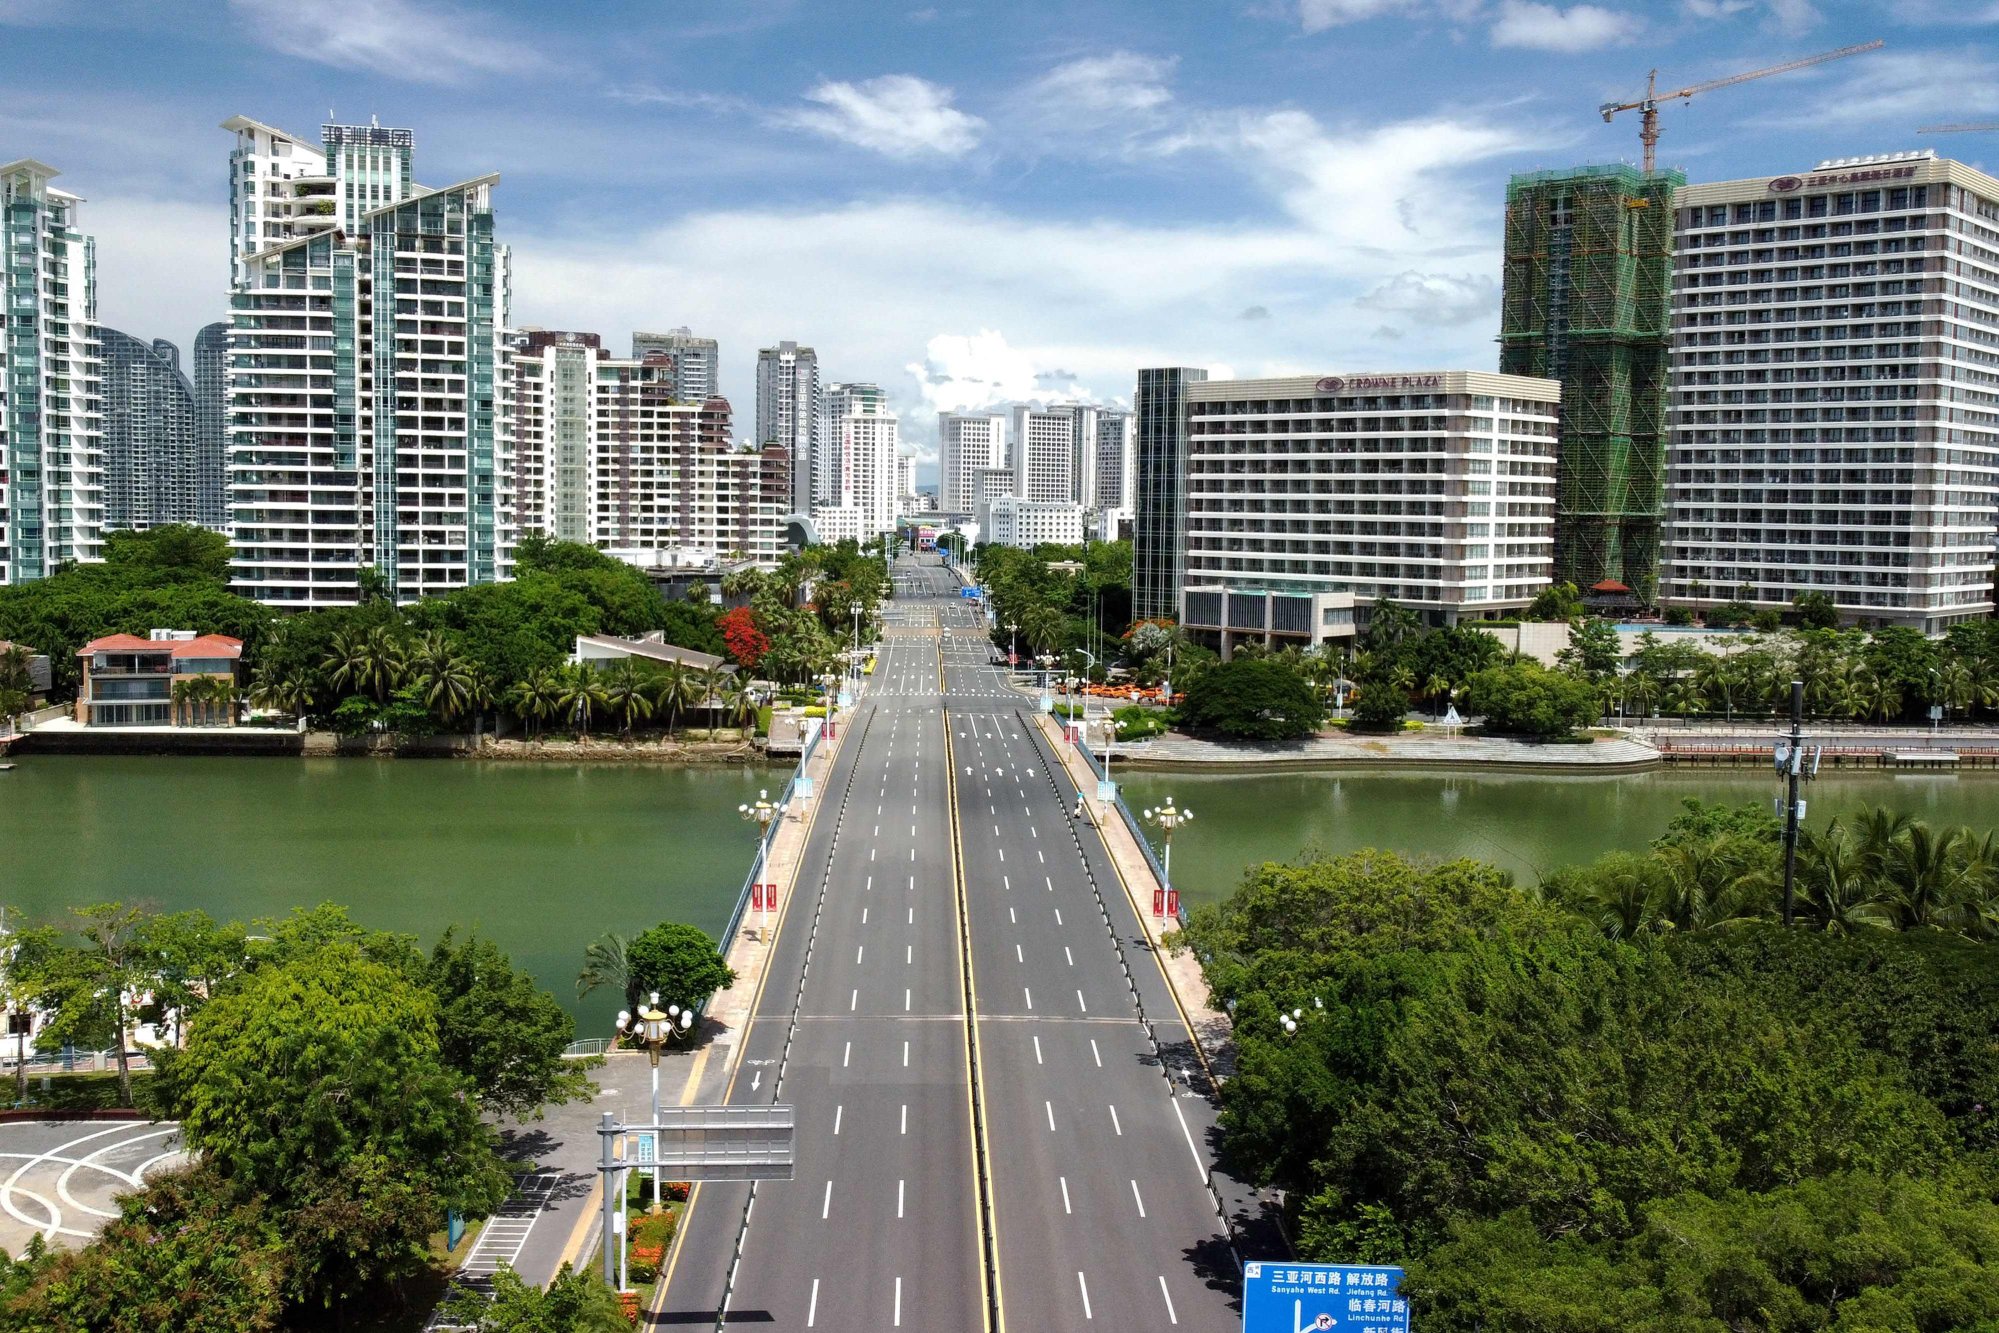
pixel 1167 818
pixel 653 1029
pixel 761 814
pixel 1013 653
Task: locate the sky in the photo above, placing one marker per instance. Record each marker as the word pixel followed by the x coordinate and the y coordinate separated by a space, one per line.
pixel 970 204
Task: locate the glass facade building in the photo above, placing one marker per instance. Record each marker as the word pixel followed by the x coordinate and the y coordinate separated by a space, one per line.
pixel 1159 529
pixel 152 461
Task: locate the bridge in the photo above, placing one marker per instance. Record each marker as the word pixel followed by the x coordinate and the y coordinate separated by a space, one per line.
pixel 1001 1119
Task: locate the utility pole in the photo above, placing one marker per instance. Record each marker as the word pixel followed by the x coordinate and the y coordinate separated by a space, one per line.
pixel 1792 763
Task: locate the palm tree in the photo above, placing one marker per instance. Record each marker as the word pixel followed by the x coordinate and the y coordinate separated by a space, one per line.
pixel 1930 875
pixel 1835 891
pixel 443 676
pixel 372 662
pixel 1437 688
pixel 1719 679
pixel 480 692
pixel 626 696
pixel 1708 884
pixel 1876 833
pixel 734 698
pixel 709 685
pixel 181 692
pixel 219 694
pixel 1623 897
pixel 740 585
pixel 1880 697
pixel 673 688
pixel 579 694
pixel 536 697
pixel 606 962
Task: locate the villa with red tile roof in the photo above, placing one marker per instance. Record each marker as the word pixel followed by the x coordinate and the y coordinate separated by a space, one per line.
pixel 170 678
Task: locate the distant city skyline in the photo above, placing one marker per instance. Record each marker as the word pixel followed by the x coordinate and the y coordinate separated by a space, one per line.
pixel 971 212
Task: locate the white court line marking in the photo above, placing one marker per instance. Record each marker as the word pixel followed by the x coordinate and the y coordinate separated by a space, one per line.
pixel 1095 1052
pixel 848 1057
pixel 1085 1288
pixel 826 1208
pixel 1037 1049
pixel 1171 1315
pixel 1065 1194
pixel 836 1118
pixel 898 1302
pixel 1137 1198
pixel 905 1117
pixel 812 1308
pixel 1050 1107
pixel 1079 1001
pixel 899 1187
pixel 1114 1122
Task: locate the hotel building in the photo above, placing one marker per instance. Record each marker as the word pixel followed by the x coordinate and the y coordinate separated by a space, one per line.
pixel 862 469
pixel 1835 391
pixel 51 464
pixel 1433 489
pixel 788 415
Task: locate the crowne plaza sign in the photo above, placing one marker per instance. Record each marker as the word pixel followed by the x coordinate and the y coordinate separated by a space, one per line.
pixel 1821 179
pixel 1366 383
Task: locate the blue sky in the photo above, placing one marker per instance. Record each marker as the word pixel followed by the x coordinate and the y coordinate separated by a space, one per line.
pixel 970 203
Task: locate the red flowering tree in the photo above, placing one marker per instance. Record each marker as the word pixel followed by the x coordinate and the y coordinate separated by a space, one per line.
pixel 745 638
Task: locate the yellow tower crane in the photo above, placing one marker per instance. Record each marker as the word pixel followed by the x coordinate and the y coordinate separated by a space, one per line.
pixel 1648 132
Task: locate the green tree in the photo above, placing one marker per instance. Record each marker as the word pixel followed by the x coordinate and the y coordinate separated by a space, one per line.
pixel 678 961
pixel 1593 651
pixel 189 1252
pixel 1527 699
pixel 318 1085
pixel 83 986
pixel 443 676
pixel 580 695
pixel 573 1303
pixel 627 695
pixel 1557 601
pixel 175 550
pixel 1257 699
pixel 1814 610
pixel 500 1029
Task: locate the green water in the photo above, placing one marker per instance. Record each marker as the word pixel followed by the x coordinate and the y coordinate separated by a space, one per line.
pixel 1525 823
pixel 541 858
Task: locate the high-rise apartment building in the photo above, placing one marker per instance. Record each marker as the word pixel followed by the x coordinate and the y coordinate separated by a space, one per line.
pixel 1588 269
pixel 1159 527
pixel 789 415
pixel 606 453
pixel 152 463
pixel 967 444
pixel 862 451
pixel 365 383
pixel 696 361
pixel 283 186
pixel 1011 521
pixel 1835 391
pixel 211 423
pixel 1435 489
pixel 51 467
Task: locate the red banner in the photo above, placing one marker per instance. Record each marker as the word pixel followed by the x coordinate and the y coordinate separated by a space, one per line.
pixel 1159 902
pixel 756 897
pixel 1013 659
pixel 770 896
pixel 1173 904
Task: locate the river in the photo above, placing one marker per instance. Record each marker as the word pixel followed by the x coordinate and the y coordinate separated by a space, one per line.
pixel 1527 823
pixel 543 858
pixel 540 858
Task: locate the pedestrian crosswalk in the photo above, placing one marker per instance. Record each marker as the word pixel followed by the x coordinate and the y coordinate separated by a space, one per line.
pixel 501 1241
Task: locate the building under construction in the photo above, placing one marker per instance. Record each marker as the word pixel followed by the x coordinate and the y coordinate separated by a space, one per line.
pixel 1588 282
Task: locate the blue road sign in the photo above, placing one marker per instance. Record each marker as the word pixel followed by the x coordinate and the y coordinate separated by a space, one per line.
pixel 1322 1298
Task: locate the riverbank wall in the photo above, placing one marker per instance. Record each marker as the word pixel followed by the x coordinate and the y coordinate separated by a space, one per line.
pixel 286 743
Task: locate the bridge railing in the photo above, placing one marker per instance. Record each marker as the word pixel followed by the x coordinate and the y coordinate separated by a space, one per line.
pixel 762 858
pixel 1131 822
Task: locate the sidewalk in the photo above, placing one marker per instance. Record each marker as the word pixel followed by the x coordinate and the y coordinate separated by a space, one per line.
pixel 551 1222
pixel 1212 1030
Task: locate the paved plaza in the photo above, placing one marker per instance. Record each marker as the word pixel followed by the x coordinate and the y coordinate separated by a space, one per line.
pixel 59 1179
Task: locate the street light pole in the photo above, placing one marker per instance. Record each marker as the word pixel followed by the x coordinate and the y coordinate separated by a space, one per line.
pixel 653 1029
pixel 761 814
pixel 1167 818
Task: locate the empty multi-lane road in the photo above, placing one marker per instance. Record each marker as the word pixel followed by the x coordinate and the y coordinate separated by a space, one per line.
pixel 988 1135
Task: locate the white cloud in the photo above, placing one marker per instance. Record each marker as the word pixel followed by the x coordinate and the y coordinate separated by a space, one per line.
pixel 1119 83
pixel 1010 307
pixel 1905 88
pixel 1792 17
pixel 1540 27
pixel 1435 298
pixel 897 115
pixel 1319 15
pixel 403 39
pixel 162 266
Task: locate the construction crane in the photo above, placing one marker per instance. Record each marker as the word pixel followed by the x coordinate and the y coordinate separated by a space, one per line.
pixel 1648 133
pixel 1958 129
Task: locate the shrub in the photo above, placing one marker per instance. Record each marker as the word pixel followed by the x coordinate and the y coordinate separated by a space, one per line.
pixel 1528 699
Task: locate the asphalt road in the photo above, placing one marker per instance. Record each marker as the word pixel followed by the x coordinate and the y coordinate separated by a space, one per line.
pixel 1100 1214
